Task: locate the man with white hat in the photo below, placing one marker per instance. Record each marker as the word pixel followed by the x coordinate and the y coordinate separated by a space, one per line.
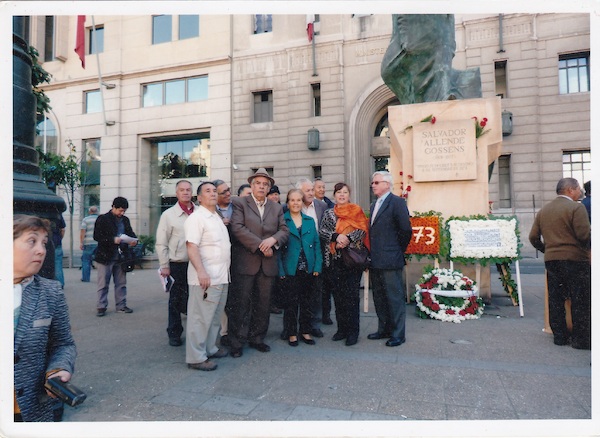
pixel 259 230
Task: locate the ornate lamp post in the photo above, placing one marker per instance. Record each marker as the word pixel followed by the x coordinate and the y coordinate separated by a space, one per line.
pixel 30 194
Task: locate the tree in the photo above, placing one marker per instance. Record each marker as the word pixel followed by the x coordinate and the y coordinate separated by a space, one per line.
pixel 66 173
pixel 39 76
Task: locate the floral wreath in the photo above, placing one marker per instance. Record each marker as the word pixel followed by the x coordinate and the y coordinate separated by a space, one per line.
pixel 447 295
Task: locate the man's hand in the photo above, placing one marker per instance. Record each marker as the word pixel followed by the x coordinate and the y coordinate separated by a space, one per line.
pixel 165 272
pixel 268 252
pixel 267 244
pixel 204 280
pixel 133 243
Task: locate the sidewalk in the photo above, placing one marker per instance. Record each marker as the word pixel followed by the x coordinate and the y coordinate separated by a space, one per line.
pixel 501 367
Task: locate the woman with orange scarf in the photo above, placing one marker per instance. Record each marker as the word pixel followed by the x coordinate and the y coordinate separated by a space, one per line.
pixel 344 225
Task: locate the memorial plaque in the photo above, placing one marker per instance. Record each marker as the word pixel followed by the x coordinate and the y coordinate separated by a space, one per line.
pixel 444 151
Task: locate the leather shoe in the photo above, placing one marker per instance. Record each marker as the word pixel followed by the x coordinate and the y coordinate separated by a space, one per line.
pixel 207 365
pixel 317 333
pixel 308 341
pixel 236 352
pixel 262 347
pixel 221 352
pixel 175 342
pixel 338 336
pixel 394 342
pixel 293 343
pixel 378 335
pixel 327 320
pixel 351 340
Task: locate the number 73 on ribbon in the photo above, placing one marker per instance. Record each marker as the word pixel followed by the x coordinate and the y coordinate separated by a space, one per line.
pixel 425 238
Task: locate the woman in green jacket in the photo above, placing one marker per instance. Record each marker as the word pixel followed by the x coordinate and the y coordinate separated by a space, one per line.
pixel 300 261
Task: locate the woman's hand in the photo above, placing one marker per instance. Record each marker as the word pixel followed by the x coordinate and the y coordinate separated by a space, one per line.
pixel 64 375
pixel 342 241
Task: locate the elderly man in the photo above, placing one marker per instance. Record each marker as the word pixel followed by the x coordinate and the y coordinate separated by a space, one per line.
pixel 209 250
pixel 259 229
pixel 390 232
pixel 314 208
pixel 173 257
pixel 561 230
pixel 87 243
pixel 320 192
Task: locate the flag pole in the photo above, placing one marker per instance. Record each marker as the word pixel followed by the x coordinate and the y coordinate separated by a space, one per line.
pixel 93 43
pixel 314 56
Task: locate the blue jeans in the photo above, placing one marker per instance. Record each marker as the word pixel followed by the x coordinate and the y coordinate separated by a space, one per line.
pixel 58 265
pixel 86 261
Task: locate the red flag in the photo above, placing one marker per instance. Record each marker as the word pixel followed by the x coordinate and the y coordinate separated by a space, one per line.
pixel 310 20
pixel 80 39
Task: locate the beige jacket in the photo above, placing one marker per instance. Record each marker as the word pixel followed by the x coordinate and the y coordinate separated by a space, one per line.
pixel 170 236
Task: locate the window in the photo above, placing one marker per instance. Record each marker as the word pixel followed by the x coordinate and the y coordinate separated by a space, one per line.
pixel 317 172
pixel 161 29
pixel 574 73
pixel 263 106
pixel 504 184
pixel 90 167
pixel 578 165
pixel 46 137
pixel 263 23
pixel 189 26
pixel 93 101
pixel 96 40
pixel 49 39
pixel 316 100
pixel 187 157
pixel 500 76
pixel 175 91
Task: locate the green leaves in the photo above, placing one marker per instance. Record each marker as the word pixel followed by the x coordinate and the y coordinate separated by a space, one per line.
pixel 39 76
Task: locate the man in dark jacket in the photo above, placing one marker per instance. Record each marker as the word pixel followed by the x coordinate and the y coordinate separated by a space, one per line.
pixel 113 233
pixel 390 232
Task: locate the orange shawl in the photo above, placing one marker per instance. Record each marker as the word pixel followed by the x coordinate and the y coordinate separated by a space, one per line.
pixel 350 217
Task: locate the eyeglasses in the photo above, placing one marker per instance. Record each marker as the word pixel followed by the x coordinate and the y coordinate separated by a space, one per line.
pixel 224 192
pixel 375 183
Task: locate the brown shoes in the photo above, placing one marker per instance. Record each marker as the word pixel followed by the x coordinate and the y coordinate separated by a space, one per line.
pixel 221 352
pixel 207 365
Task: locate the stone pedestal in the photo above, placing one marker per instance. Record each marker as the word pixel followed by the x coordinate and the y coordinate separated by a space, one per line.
pixel 447 165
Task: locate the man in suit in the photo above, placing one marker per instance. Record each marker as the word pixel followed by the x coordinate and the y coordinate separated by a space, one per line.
pixel 259 229
pixel 314 208
pixel 561 230
pixel 390 232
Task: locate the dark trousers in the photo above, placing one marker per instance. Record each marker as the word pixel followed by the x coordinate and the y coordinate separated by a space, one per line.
pixel 299 297
pixel 317 303
pixel 326 288
pixel 346 296
pixel 390 302
pixel 569 279
pixel 178 298
pixel 249 309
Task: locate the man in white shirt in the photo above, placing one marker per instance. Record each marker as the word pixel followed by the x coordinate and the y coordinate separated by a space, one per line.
pixel 209 250
pixel 173 257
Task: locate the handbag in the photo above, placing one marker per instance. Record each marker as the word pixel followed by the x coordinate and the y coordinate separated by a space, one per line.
pixel 356 257
pixel 126 259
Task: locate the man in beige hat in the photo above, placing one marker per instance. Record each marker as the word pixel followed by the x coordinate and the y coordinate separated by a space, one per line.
pixel 259 230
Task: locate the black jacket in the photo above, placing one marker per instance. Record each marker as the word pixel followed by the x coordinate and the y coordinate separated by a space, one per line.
pixel 105 232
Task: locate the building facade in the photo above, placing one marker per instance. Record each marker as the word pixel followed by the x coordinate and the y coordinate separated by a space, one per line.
pixel 218 96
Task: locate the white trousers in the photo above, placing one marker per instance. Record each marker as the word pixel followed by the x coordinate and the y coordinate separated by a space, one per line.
pixel 204 321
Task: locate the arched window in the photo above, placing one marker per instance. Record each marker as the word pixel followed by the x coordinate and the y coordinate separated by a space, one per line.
pixel 46 137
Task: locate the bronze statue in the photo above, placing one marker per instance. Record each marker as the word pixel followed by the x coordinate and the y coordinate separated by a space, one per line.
pixel 417 65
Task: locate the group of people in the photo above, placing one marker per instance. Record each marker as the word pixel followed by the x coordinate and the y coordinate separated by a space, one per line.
pixel 226 255
pixel 232 256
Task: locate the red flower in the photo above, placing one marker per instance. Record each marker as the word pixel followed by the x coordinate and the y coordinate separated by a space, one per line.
pixel 409 176
pixel 462 313
pixel 450 312
pixel 433 119
pixel 474 118
pixel 485 119
pixel 483 123
pixel 408 188
pixel 435 307
pixel 401 173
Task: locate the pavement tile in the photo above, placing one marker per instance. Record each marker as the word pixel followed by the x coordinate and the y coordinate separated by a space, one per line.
pixel 458 412
pixel 313 413
pixel 268 411
pixel 372 416
pixel 412 409
pixel 181 398
pixel 231 405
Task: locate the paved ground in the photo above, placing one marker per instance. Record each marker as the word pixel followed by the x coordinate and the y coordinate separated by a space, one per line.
pixel 501 367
